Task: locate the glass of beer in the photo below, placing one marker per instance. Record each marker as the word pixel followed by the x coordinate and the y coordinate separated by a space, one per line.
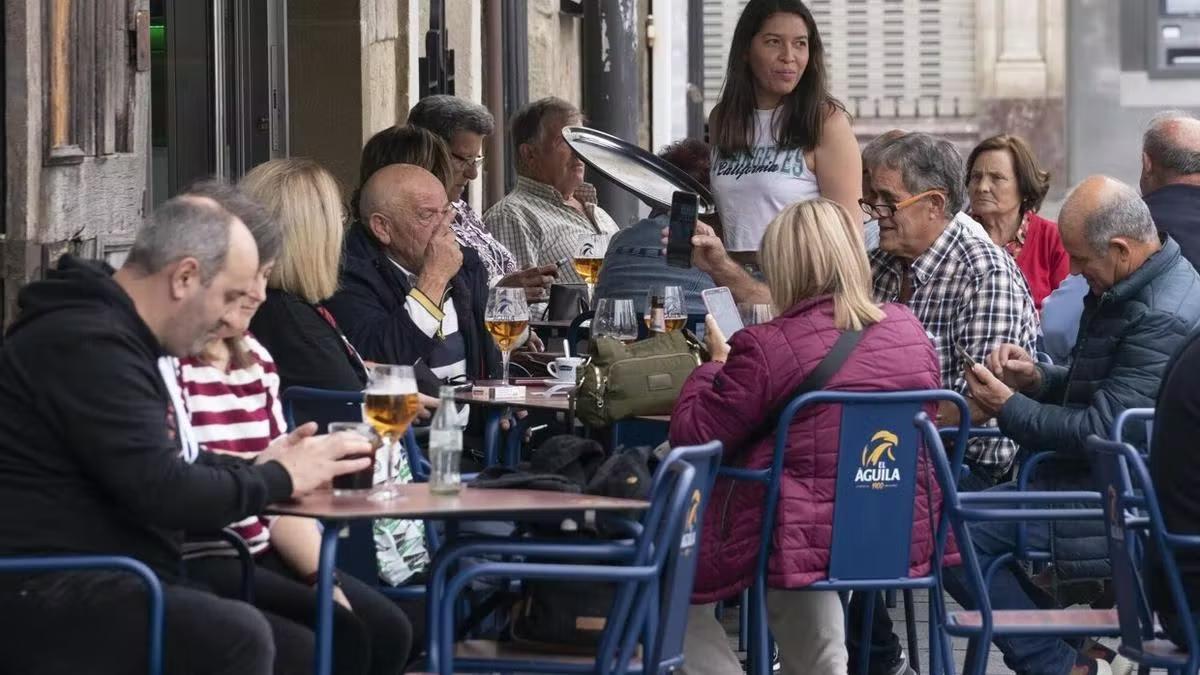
pixel 350 483
pixel 390 404
pixel 589 257
pixel 664 309
pixel 506 319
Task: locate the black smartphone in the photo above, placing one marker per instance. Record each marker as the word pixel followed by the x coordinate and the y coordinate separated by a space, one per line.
pixel 967 361
pixel 684 206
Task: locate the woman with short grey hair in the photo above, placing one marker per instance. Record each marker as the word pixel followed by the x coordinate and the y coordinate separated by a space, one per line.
pixel 464 126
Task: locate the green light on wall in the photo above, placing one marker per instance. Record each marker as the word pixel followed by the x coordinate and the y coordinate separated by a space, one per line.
pixel 158 37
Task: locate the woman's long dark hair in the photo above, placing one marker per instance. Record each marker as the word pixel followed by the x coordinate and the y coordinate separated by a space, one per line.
pixel 801 116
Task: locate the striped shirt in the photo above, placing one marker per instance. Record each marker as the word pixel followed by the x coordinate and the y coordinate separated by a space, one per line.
pixel 448 360
pixel 538 227
pixel 234 411
pixel 970 292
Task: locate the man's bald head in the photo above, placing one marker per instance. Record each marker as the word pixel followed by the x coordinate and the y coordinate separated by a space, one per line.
pixel 403 205
pixel 395 186
pixel 1107 230
pixel 1170 150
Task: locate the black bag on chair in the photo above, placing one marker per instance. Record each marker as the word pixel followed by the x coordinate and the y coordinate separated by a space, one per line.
pixel 560 616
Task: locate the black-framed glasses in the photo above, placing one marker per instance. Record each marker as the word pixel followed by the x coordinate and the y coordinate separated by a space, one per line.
pixel 884 211
pixel 468 162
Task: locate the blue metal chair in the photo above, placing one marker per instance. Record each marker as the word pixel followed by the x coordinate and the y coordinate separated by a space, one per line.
pixel 1122 476
pixel 959 509
pixel 872 527
pixel 1131 416
pixel 357 554
pixel 154 593
pixel 652 576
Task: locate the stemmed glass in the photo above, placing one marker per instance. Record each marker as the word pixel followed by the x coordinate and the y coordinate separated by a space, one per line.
pixel 664 309
pixel 390 404
pixel 506 318
pixel 589 257
pixel 615 318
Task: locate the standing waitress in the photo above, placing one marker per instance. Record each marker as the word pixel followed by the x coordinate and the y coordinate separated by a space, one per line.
pixel 779 136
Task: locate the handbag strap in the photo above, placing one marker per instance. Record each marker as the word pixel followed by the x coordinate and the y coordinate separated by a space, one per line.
pixel 817 378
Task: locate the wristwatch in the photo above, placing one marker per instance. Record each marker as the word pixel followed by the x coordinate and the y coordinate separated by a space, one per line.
pixel 312 578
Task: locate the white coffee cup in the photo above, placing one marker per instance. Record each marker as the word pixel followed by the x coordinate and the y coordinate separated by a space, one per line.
pixel 565 368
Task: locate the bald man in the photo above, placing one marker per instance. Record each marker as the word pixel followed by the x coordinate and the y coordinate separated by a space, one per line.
pixel 409 294
pixel 1171 178
pixel 1143 300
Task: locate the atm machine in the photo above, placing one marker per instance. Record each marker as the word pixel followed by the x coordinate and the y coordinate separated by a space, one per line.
pixel 1174 40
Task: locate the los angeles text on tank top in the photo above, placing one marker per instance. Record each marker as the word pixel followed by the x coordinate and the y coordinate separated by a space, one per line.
pixel 753 186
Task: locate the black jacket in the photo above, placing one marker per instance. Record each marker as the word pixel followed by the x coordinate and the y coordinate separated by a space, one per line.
pixel 89 460
pixel 369 308
pixel 1126 338
pixel 308 350
pixel 1175 470
pixel 1176 212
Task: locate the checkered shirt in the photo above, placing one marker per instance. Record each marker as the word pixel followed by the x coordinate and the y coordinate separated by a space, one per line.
pixel 968 291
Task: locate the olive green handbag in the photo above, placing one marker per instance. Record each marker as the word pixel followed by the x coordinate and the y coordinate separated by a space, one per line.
pixel 643 378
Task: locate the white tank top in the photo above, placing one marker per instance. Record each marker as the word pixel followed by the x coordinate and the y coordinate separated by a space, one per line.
pixel 751 188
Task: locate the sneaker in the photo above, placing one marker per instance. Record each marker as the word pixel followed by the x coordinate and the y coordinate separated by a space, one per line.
pixel 776 664
pixel 902 667
pixel 1119 664
pixel 1087 666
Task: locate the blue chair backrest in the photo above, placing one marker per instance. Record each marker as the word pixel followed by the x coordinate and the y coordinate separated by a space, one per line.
pixel 680 573
pixel 877 479
pixel 1134 426
pixel 670 542
pixel 307 404
pixel 1128 492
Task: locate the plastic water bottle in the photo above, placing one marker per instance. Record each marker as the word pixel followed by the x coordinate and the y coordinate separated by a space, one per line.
pixel 445 447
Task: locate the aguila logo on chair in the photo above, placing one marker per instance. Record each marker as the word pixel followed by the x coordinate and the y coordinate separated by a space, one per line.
pixel 876 468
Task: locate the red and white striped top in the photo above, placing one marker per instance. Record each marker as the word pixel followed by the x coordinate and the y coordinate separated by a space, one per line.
pixel 234 411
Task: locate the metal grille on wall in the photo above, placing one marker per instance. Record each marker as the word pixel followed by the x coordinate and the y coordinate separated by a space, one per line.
pixel 886 58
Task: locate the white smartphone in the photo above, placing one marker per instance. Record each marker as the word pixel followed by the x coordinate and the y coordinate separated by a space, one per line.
pixel 719 302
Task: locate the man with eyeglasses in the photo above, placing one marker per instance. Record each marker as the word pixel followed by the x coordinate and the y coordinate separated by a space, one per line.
pixel 552 210
pixel 464 125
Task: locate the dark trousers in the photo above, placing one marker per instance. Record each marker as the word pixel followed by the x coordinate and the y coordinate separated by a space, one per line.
pixel 66 623
pixel 375 638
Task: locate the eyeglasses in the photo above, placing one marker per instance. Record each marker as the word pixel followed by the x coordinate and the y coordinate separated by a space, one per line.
pixel 426 215
pixel 882 211
pixel 468 162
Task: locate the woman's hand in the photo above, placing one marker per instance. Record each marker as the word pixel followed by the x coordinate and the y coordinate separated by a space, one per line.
pixel 714 339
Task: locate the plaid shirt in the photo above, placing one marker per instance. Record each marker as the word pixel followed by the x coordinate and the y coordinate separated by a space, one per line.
pixel 539 228
pixel 968 291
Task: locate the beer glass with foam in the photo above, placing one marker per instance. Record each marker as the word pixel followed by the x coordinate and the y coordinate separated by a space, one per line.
pixel 390 404
pixel 589 257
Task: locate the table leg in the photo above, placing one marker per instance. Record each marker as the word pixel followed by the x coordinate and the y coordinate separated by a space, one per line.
pixel 491 434
pixel 323 654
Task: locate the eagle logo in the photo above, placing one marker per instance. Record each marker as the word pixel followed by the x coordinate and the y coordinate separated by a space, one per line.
pixel 881 444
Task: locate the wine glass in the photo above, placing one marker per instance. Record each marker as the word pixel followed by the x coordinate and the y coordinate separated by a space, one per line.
pixel 506 318
pixel 390 404
pixel 664 309
pixel 589 257
pixel 616 318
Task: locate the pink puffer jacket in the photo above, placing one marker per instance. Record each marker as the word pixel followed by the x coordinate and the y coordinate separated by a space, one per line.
pixel 731 403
